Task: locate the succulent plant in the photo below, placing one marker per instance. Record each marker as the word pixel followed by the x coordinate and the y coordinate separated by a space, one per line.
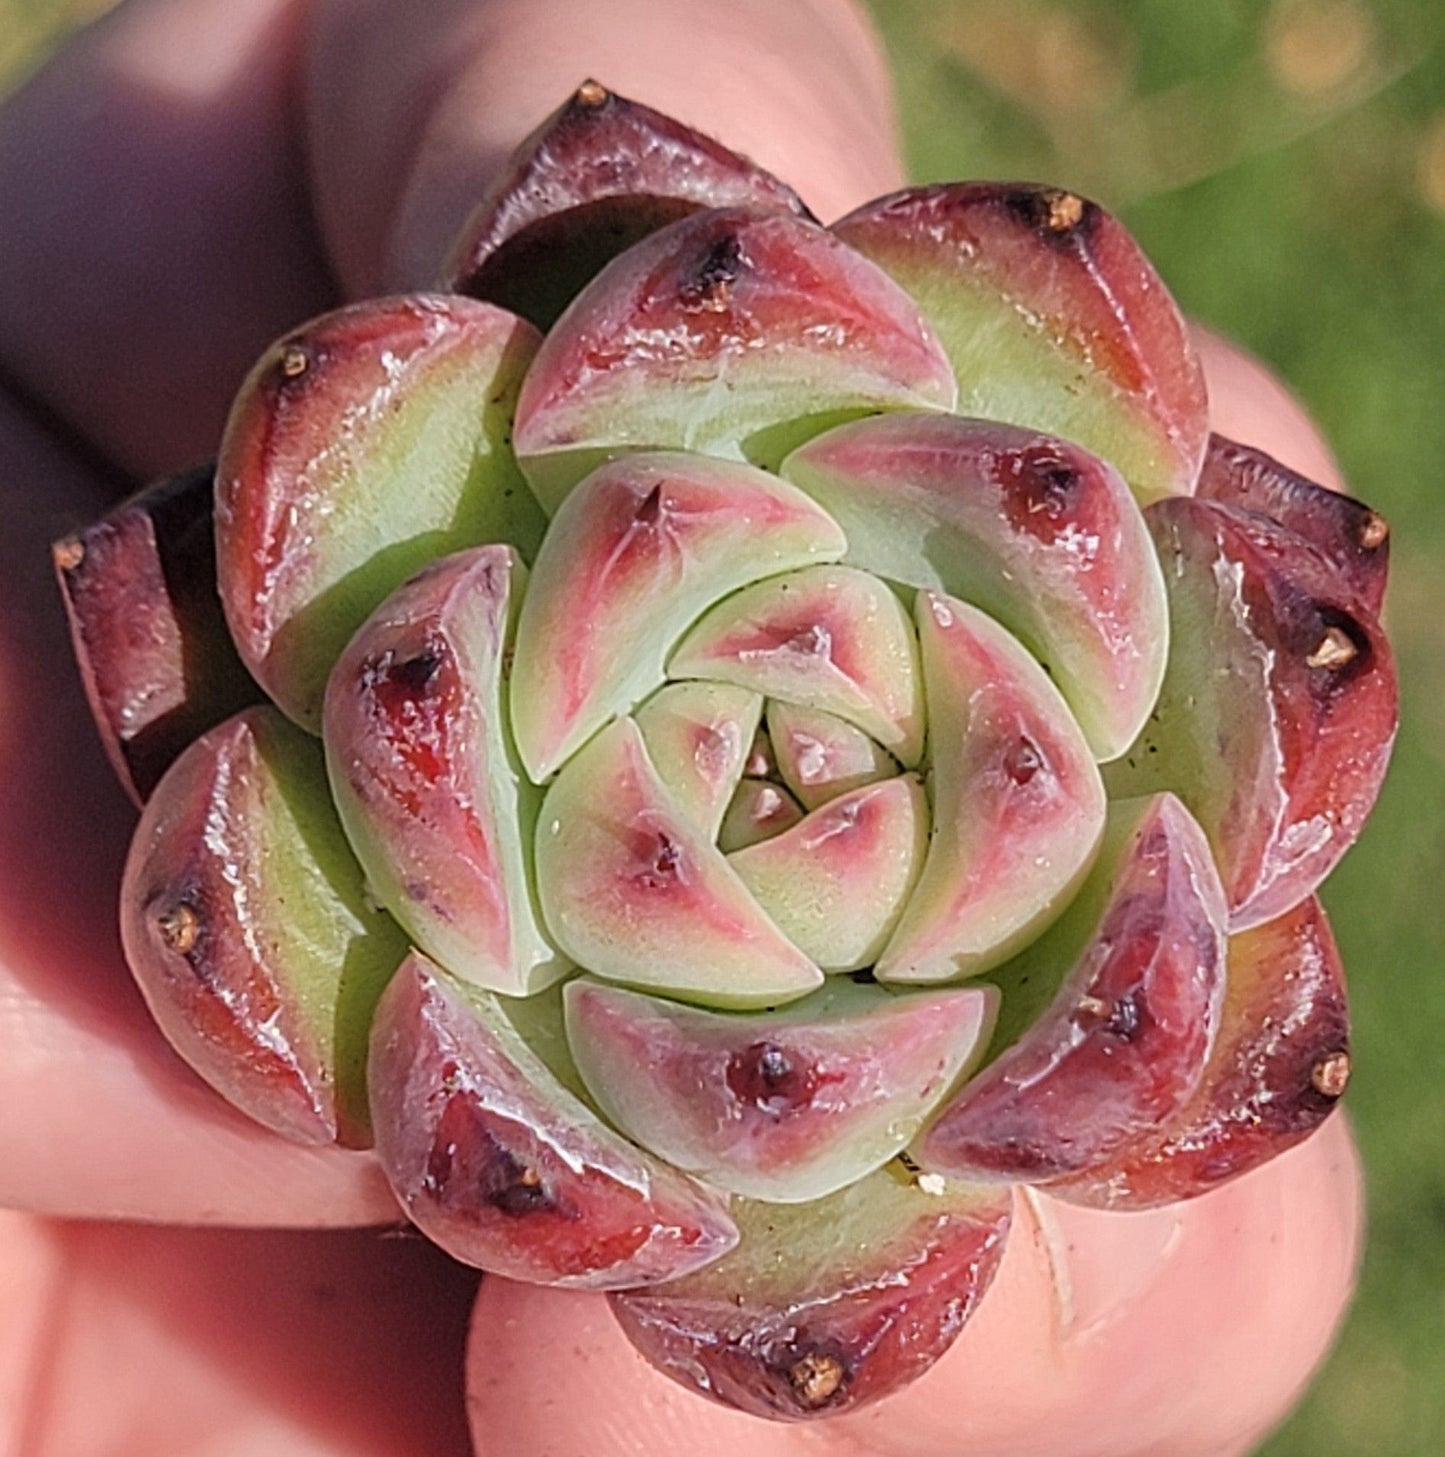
pixel 720 746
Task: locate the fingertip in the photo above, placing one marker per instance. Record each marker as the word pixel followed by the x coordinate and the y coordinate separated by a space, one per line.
pixel 118 1339
pixel 1189 1330
pixel 156 232
pixel 1250 404
pixel 550 1371
pixel 413 113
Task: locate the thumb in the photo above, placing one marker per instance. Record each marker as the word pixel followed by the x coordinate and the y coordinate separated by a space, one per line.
pixel 413 110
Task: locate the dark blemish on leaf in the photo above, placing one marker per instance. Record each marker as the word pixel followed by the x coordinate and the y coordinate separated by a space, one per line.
pixel 712 284
pixel 294 361
pixel 649 513
pixel 767 1077
pixel 179 927
pixel 1022 761
pixel 1051 213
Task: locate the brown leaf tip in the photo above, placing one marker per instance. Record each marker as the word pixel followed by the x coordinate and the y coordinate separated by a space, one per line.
pixel 1330 1076
pixel 1374 531
pixel 68 554
pixel 816 1378
pixel 1336 649
pixel 1050 211
pixel 179 927
pixel 294 361
pixel 1063 211
pixel 592 95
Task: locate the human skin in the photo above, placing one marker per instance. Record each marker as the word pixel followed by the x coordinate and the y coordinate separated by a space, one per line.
pixel 185 181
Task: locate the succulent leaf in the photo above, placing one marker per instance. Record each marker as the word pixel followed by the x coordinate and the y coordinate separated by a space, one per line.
pixel 495 1160
pixel 758 810
pixel 246 925
pixel 634 891
pixel 827 637
pixel 422 768
pixel 637 552
pixel 785 1106
pixel 1052 317
pixel 735 333
pixel 360 447
pixel 158 665
pixel 1354 539
pixel 597 176
pixel 1035 531
pixel 1107 1020
pixel 1280 1065
pixel 825 1306
pixel 1279 709
pixel 699 737
pixel 837 881
pixel 1018 805
pixel 821 756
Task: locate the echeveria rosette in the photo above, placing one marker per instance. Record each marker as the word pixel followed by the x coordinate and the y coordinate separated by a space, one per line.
pixel 778 735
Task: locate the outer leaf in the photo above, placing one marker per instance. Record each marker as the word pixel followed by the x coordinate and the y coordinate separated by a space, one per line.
pixel 505 1168
pixel 597 176
pixel 361 446
pixel 1279 1067
pixel 247 927
pixel 736 333
pixel 1053 319
pixel 1279 709
pixel 1114 1012
pixel 1352 538
pixel 158 665
pixel 827 1306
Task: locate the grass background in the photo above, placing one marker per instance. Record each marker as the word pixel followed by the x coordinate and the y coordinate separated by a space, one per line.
pixel 1283 161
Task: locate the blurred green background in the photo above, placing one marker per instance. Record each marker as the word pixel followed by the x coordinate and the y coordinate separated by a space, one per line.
pixel 1283 161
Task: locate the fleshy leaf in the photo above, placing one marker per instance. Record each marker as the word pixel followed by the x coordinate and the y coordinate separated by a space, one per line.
pixel 821 756
pixel 597 176
pixel 827 1306
pixel 636 892
pixel 826 637
pixel 1279 1067
pixel 1107 1021
pixel 785 1106
pixel 1279 708
pixel 736 333
pixel 1040 534
pixel 637 553
pixel 361 446
pixel 699 737
pixel 158 665
pixel 1018 805
pixel 422 768
pixel 1052 317
pixel 837 881
pixel 247 927
pixel 758 810
pixel 1352 538
pixel 506 1169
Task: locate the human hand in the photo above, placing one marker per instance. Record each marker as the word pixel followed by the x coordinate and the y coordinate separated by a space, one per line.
pixel 185 182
